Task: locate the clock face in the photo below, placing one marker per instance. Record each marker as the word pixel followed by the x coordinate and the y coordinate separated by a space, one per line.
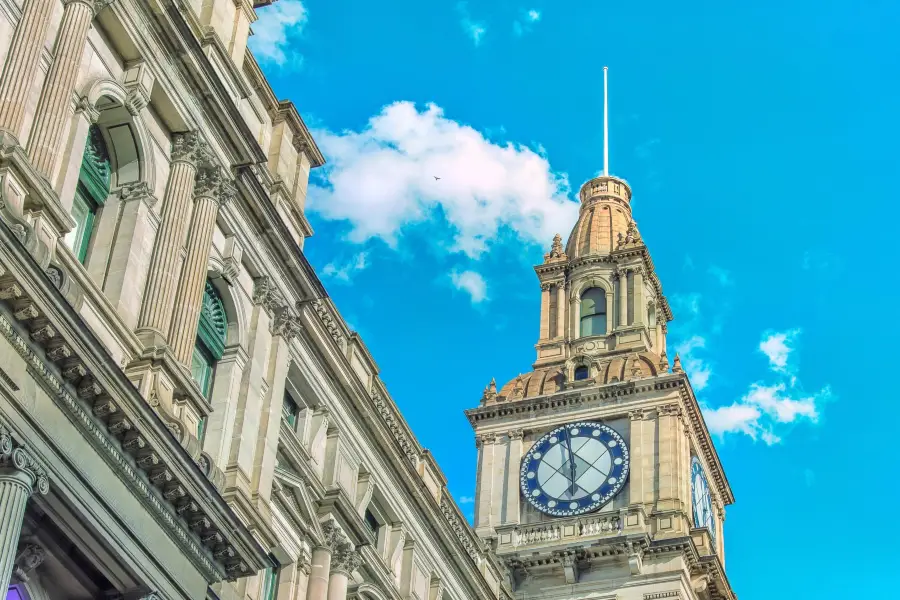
pixel 574 469
pixel 702 501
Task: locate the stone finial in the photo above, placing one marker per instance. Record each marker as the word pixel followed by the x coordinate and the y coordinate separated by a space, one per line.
pixel 556 250
pixel 663 363
pixel 676 367
pixel 490 392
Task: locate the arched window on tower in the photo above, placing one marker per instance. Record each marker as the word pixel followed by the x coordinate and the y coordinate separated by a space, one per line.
pixel 593 312
pixel 210 344
pixel 91 192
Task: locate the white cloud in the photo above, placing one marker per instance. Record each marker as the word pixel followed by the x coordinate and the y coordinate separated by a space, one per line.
pixel 472 283
pixel 767 407
pixel 466 499
pixel 474 29
pixel 778 347
pixel 343 272
pixel 381 180
pixel 272 33
pixel 697 368
pixel 723 276
pixel 526 22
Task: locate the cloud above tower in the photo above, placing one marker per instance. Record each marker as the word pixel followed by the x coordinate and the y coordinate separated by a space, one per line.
pixel 411 167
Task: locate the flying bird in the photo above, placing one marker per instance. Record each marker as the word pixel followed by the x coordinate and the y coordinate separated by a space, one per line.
pixel 436 178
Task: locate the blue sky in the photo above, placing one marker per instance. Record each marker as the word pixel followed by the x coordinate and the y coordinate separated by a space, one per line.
pixel 760 141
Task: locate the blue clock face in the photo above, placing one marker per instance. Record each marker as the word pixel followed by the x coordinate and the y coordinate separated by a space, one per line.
pixel 701 499
pixel 574 469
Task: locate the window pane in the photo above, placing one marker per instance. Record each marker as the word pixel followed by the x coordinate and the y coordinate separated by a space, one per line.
pixel 83 213
pixel 201 370
pixel 581 373
pixel 593 301
pixel 593 325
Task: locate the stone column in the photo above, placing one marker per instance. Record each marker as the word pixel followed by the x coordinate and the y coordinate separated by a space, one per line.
pixel 52 110
pixel 545 311
pixel 512 477
pixel 344 561
pixel 188 150
pixel 212 190
pixel 20 476
pixel 640 309
pixel 21 64
pixel 561 310
pixel 320 565
pixel 623 298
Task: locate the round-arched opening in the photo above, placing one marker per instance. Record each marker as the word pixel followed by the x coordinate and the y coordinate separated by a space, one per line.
pixel 593 312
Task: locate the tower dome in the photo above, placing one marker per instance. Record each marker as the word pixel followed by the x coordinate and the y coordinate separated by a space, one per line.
pixel 605 214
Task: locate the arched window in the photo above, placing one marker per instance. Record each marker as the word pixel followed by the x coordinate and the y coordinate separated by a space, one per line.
pixel 91 192
pixel 593 312
pixel 581 373
pixel 210 344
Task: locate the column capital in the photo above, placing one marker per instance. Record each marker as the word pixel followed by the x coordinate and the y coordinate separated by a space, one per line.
pixel 189 147
pixel 267 295
pixel 485 438
pixel 331 535
pixel 286 324
pixel 213 183
pixel 516 434
pixel 545 286
pixel 345 559
pixel 20 459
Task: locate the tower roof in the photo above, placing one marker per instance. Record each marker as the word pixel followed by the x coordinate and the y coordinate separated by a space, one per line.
pixel 605 214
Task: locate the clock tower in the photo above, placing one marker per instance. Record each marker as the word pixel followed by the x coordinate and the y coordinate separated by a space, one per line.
pixel 597 477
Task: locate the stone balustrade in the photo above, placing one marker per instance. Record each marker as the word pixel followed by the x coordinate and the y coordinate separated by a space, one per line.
pixel 594 526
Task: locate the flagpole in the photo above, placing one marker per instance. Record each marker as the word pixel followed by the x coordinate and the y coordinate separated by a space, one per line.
pixel 605 123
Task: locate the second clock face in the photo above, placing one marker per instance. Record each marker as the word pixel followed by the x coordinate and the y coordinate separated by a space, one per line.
pixel 574 469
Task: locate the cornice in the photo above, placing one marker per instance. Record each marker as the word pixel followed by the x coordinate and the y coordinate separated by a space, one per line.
pixel 80 376
pixel 621 392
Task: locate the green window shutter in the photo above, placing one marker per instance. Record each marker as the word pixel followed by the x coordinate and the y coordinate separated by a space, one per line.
pixel 91 192
pixel 213 327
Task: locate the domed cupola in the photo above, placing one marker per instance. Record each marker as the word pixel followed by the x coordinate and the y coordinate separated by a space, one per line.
pixel 605 213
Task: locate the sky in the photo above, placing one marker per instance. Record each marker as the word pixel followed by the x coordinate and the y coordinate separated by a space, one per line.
pixel 760 141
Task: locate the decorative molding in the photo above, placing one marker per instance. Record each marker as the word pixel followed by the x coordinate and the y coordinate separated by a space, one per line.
pixel 462 531
pixel 328 321
pixel 143 471
pixel 661 595
pixel 140 191
pixel 406 445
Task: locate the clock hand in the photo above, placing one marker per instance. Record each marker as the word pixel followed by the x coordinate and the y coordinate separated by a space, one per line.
pixel 571 462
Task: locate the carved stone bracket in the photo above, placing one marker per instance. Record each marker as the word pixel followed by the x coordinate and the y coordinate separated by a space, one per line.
pixel 138 191
pixel 29 557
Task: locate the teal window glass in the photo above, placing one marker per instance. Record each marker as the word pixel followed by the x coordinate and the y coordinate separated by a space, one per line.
pixel 91 192
pixel 212 330
pixel 269 584
pixel 593 312
pixel 290 410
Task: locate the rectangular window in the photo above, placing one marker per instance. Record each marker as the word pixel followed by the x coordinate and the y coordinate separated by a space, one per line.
pixel 270 583
pixel 290 410
pixel 84 211
pixel 202 369
pixel 372 522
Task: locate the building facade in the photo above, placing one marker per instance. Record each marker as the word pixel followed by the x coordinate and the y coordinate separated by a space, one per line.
pixel 597 476
pixel 183 411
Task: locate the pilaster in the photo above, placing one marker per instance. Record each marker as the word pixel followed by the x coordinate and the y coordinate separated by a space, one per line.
pixel 622 289
pixel 484 492
pixel 545 311
pixel 561 309
pixel 513 507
